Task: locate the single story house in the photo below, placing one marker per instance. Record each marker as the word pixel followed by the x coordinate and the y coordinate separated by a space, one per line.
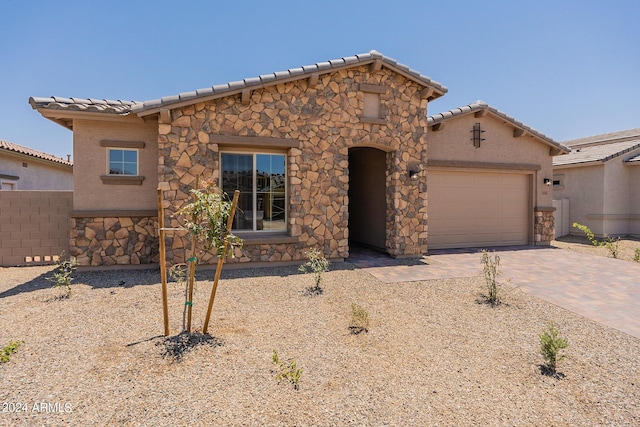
pixel 325 155
pixel 23 168
pixel 598 183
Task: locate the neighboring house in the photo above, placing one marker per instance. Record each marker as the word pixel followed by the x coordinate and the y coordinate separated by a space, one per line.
pixel 486 177
pixel 22 168
pixel 600 180
pixel 325 156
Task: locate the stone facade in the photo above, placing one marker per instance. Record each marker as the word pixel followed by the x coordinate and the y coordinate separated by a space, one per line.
pixel 114 240
pixel 544 225
pixel 326 119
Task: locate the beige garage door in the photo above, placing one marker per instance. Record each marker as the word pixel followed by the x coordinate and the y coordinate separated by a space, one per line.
pixel 476 209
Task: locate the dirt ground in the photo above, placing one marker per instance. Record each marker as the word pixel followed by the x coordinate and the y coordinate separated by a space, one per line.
pixel 626 246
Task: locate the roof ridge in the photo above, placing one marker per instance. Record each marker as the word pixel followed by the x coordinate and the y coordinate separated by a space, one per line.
pixel 605 137
pixel 17 148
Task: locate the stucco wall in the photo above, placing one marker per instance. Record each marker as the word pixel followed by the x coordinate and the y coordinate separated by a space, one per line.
pixel 38 175
pixel 90 162
pixel 634 197
pixel 616 208
pixel 325 119
pixel 584 187
pixel 454 142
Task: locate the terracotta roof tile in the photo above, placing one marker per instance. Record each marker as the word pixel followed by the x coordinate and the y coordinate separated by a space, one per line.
pixel 10 146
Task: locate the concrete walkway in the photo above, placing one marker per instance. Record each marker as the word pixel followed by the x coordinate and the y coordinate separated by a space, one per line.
pixel 605 290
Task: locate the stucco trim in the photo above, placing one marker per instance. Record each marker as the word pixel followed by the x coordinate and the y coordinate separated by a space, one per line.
pixel 121 179
pixel 483 165
pixel 254 141
pixel 266 239
pixel 544 209
pixel 121 144
pixel 365 87
pixel 113 213
pixel 373 120
pixel 612 216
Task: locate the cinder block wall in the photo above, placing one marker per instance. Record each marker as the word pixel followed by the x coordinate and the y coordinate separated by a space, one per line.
pixel 34 226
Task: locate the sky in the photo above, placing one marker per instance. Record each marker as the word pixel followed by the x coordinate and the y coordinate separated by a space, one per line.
pixel 566 68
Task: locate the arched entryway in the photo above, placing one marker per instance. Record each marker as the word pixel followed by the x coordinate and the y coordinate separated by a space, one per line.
pixel 367 198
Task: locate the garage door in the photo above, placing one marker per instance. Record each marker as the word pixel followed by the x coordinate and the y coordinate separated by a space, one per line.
pixel 476 209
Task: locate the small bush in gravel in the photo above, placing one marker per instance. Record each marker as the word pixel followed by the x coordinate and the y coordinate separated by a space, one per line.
pixel 317 264
pixel 62 274
pixel 287 371
pixel 359 319
pixel 612 245
pixel 8 350
pixel 491 272
pixel 550 346
pixel 636 255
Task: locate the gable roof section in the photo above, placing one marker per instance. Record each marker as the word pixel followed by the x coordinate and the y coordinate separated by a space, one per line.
pixel 596 154
pixel 482 107
pixel 15 148
pixel 624 135
pixel 146 108
pixel 635 160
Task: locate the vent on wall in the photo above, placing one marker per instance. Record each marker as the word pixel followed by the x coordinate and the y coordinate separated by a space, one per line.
pixel 25 165
pixel 477 135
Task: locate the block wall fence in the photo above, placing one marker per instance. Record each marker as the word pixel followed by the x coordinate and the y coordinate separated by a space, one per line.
pixel 34 226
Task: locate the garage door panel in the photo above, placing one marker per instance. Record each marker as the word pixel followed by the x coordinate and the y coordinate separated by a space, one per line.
pixel 473 209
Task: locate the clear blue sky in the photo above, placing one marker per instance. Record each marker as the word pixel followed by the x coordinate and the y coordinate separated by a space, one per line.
pixel 567 68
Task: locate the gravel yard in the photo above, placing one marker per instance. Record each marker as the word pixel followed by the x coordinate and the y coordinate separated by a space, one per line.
pixel 434 354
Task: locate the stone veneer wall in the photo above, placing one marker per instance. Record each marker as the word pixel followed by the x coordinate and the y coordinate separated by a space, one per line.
pixel 326 120
pixel 108 241
pixel 544 225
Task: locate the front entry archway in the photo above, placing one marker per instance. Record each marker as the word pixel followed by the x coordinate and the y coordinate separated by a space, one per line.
pixel 367 197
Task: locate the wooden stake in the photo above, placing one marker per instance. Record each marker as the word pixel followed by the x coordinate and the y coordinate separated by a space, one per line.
pixel 236 194
pixel 192 268
pixel 163 264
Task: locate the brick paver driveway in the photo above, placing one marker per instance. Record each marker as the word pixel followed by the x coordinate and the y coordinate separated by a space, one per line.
pixel 603 289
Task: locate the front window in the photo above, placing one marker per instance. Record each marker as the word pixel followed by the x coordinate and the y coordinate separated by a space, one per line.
pixel 123 162
pixel 261 179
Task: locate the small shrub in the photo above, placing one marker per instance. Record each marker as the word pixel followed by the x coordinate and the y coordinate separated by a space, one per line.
pixel 8 350
pixel 317 264
pixel 359 319
pixel 550 346
pixel 636 255
pixel 287 371
pixel 612 245
pixel 491 272
pixel 62 275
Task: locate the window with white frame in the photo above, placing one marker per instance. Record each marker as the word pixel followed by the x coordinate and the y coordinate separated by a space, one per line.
pixel 261 179
pixel 122 161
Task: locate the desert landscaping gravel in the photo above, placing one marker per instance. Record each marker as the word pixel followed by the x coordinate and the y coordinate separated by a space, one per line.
pixel 434 354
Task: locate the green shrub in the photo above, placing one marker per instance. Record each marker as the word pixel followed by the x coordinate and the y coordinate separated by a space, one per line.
pixel 359 319
pixel 612 245
pixel 62 274
pixel 550 346
pixel 8 350
pixel 491 272
pixel 636 255
pixel 317 264
pixel 287 371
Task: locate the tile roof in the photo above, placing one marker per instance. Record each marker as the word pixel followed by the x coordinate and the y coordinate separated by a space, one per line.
pixel 81 104
pixel 481 105
pixel 150 107
pixel 10 146
pixel 605 137
pixel 597 153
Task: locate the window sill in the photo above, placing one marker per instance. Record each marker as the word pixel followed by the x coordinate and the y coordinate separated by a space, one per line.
pixel 254 238
pixel 121 179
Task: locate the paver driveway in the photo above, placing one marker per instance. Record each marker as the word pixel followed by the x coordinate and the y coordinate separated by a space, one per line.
pixel 603 289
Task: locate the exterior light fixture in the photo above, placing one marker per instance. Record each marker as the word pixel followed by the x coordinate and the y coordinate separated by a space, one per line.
pixel 547 182
pixel 413 173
